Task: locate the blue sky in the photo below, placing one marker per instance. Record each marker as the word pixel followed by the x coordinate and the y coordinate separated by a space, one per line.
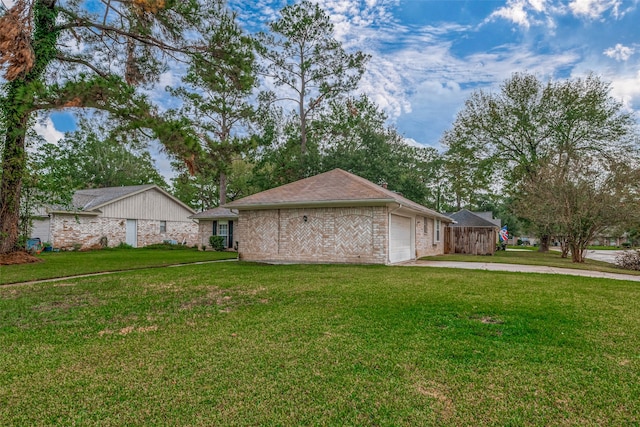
pixel 429 55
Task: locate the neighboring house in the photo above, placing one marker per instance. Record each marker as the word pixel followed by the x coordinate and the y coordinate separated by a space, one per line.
pixel 335 217
pixel 137 215
pixel 217 222
pixel 472 233
pixel 610 236
pixel 488 216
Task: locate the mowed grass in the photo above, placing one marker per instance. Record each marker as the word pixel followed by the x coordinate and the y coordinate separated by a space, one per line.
pixel 250 344
pixel 64 264
pixel 534 257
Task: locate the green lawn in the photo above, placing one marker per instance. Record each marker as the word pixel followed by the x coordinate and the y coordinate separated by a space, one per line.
pixel 533 257
pixel 250 344
pixel 63 264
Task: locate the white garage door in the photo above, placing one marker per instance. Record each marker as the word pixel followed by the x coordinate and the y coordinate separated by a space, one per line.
pixel 400 239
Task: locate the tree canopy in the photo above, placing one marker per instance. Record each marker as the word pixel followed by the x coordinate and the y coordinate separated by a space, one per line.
pixel 546 143
pixel 303 57
pixel 91 54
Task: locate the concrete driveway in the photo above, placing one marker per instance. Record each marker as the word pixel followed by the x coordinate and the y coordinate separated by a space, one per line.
pixel 599 255
pixel 519 268
pixel 606 256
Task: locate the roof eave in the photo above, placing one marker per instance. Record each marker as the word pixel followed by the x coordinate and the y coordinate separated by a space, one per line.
pixel 81 213
pixel 311 204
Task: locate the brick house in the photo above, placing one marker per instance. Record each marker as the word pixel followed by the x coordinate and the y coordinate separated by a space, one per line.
pixel 217 222
pixel 335 217
pixel 138 215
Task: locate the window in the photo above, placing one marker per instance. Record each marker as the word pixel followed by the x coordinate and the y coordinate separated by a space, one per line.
pixel 426 226
pixel 436 230
pixel 163 226
pixel 223 229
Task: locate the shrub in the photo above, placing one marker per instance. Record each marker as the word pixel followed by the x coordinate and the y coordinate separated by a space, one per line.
pixel 124 245
pixel 629 260
pixel 217 243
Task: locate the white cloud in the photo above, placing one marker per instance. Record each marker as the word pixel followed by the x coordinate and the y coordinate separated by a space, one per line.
pixel 515 12
pixel 594 9
pixel 626 88
pixel 46 129
pixel 619 52
pixel 538 5
pixel 529 13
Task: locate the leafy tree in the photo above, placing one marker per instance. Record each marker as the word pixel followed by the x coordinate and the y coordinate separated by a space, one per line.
pixel 88 54
pixel 303 58
pixel 86 159
pixel 218 103
pixel 198 190
pixel 468 173
pixel 582 197
pixel 353 136
pixel 280 160
pixel 528 123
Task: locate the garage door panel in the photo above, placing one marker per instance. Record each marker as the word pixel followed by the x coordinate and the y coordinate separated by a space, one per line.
pixel 400 239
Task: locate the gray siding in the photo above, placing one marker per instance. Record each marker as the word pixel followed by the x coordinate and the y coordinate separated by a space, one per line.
pixel 147 205
pixel 41 229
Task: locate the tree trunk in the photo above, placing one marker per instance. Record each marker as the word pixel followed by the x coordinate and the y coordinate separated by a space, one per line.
pixel 577 252
pixel 303 128
pixel 544 243
pixel 17 107
pixel 222 189
pixel 14 165
pixel 564 246
pixel 301 109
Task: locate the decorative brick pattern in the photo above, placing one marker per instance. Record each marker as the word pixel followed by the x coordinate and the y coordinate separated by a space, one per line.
pixel 70 230
pixel 343 235
pixel 355 235
pixel 258 233
pixel 303 234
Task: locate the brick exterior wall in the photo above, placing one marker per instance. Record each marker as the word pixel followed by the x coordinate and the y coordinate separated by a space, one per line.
pixel 425 245
pixel 332 235
pixel 68 230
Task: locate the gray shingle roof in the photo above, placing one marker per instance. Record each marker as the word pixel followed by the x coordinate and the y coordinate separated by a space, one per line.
pixel 466 218
pixel 216 213
pixel 93 198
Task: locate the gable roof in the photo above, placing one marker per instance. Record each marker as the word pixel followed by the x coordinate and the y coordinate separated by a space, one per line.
pixel 466 218
pixel 216 213
pixel 92 199
pixel 336 188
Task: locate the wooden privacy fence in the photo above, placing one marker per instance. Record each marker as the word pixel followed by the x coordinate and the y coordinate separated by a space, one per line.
pixel 470 240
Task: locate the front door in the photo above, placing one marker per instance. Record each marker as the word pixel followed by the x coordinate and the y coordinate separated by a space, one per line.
pixel 132 233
